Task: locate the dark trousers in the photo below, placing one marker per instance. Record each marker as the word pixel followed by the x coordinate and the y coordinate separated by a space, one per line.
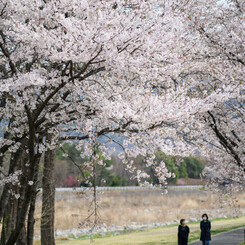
pixel 205 242
pixel 182 241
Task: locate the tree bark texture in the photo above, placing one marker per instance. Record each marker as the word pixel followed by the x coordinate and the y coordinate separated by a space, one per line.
pixel 24 201
pixel 48 197
pixel 31 219
pixel 15 162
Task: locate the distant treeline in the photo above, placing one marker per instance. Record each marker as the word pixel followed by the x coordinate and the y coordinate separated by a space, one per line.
pixel 113 172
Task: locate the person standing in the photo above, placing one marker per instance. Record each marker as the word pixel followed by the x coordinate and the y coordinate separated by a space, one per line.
pixel 205 227
pixel 183 233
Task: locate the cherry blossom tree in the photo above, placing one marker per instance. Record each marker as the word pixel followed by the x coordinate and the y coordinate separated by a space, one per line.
pixel 218 54
pixel 86 70
pixel 220 137
pixel 73 71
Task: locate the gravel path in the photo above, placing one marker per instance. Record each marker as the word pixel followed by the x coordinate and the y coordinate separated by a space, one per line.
pixel 233 237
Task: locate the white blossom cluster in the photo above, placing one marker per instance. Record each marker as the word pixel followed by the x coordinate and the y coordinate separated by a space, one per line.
pixel 13 178
pixel 139 70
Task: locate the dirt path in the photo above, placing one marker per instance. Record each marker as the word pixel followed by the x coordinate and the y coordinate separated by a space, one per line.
pixel 233 237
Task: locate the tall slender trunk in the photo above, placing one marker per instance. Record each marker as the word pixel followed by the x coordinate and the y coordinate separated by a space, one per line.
pixel 31 219
pixel 48 198
pixel 31 222
pixel 22 240
pixel 7 222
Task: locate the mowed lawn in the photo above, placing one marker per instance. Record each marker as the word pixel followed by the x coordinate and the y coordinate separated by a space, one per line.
pixel 165 235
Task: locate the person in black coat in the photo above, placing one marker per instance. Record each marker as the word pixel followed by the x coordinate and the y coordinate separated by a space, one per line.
pixel 183 233
pixel 205 227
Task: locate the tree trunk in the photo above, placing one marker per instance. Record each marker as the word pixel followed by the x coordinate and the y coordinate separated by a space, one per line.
pixel 22 237
pixel 9 203
pixel 48 197
pixel 26 193
pixel 7 222
pixel 15 162
pixel 31 220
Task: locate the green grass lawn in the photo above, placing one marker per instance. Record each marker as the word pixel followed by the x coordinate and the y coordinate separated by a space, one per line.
pixel 165 235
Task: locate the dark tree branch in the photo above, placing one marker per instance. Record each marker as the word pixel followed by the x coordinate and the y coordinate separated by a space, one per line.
pixel 7 55
pixel 223 140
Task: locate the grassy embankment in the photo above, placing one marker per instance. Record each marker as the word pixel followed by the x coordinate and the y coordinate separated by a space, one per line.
pixel 164 235
pixel 123 208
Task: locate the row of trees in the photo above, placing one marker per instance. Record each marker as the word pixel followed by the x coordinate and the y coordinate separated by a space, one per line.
pixel 112 172
pixel 167 76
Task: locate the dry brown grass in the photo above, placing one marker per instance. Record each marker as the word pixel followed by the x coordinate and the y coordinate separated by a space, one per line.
pixel 140 206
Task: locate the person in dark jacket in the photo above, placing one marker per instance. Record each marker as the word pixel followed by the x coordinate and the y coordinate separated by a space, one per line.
pixel 183 233
pixel 205 227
